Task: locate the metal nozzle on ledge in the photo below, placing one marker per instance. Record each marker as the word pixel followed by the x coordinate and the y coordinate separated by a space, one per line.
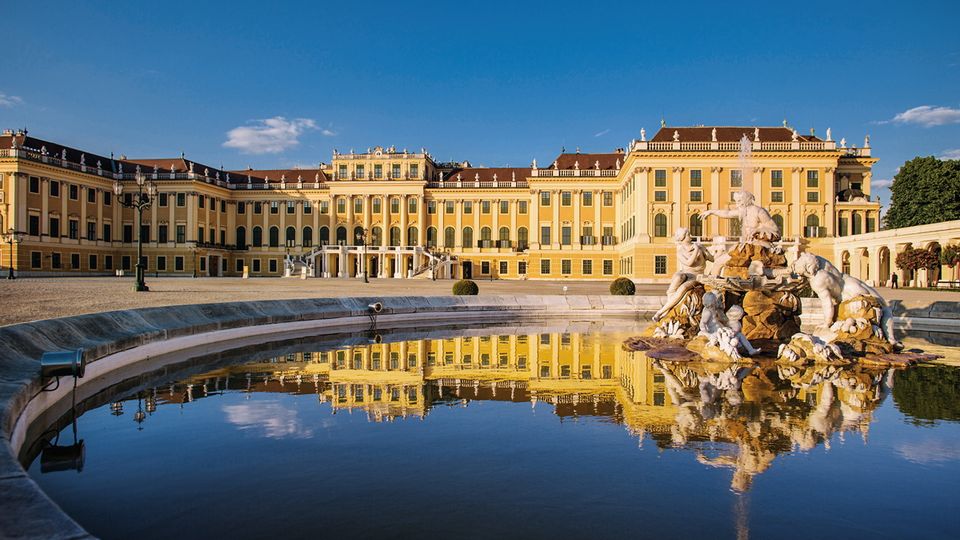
pixel 63 364
pixel 375 307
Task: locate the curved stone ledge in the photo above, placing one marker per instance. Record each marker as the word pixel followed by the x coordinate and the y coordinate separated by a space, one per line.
pixel 29 513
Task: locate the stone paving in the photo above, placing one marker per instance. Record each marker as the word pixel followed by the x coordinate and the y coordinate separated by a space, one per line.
pixel 25 300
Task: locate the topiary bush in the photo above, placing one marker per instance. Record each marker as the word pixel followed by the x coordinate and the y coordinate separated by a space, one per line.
pixel 465 286
pixel 623 287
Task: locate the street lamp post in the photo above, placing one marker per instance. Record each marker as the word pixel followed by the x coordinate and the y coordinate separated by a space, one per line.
pixel 146 192
pixel 12 236
pixel 362 238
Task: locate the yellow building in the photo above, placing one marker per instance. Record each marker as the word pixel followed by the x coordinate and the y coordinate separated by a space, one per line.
pixel 391 213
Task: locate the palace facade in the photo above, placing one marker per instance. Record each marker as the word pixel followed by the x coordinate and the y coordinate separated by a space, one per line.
pixel 393 213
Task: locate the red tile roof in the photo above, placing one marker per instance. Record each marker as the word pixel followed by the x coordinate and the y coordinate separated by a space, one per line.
pixel 611 161
pixel 56 150
pixel 729 134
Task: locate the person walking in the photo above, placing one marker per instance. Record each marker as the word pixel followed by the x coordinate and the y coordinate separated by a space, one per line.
pixel 893 281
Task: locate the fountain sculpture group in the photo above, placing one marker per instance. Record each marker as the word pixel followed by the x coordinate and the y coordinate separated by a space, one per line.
pixel 732 304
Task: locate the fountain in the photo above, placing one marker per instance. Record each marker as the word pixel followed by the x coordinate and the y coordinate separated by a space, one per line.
pixel 743 303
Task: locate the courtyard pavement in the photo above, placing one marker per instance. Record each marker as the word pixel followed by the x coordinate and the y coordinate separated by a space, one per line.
pixel 30 299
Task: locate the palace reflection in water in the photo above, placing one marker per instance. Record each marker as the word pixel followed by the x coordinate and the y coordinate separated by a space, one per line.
pixel 735 417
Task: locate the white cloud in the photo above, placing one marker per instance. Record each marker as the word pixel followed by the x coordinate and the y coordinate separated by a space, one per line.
pixel 269 136
pixel 882 183
pixel 270 419
pixel 951 154
pixel 328 132
pixel 10 101
pixel 927 116
pixel 602 133
pixel 929 451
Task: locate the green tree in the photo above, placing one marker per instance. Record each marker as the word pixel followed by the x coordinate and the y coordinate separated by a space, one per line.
pixel 925 190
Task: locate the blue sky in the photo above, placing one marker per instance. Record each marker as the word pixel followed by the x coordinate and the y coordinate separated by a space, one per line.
pixel 495 83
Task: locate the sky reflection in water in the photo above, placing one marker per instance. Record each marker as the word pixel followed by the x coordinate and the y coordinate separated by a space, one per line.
pixel 550 434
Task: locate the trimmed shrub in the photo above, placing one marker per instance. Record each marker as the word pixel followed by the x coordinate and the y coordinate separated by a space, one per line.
pixel 623 287
pixel 465 286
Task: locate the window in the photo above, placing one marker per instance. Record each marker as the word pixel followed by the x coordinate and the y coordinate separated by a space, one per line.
pixel 272 266
pixel 107 233
pixel 74 192
pixel 734 228
pixel 813 179
pixel 274 207
pixel 162 236
pixel 813 226
pixel 696 225
pixel 181 234
pixel 92 196
pixel 544 266
pixel 414 170
pixel 696 178
pixel 467 207
pixel 201 201
pixel 856 224
pixel 290 237
pixel 813 196
pixel 448 237
pixel 467 237
pixel 92 262
pixel 544 198
pixel 778 219
pixel 55 260
pixel 54 188
pixel 324 207
pixel 394 236
pixel 522 268
pixel 448 207
pixel 412 205
pixel 608 198
pixel 239 266
pixel 504 267
pixel 504 207
pixel 200 232
pixel 485 267
pixel 181 199
pixel 545 235
pixel 223 206
pixel 241 237
pixel 565 233
pixel 871 225
pixel 566 267
pixel 736 178
pixel 431 207
pixel 394 205
pixel 358 205
pixel 34 186
pixel 36 259
pixel 377 205
pixel 92 231
pixel 54 227
pixel 522 238
pixel 307 207
pixel 587 198
pixel 257 207
pixel 307 237
pixel 566 198
pixel 696 196
pixel 378 171
pixel 33 225
pixel 660 226
pixel 659 196
pixel 521 207
pixel 776 179
pixel 75 261
pixel 274 236
pixel 431 237
pixel 107 199
pixel 256 265
pixel 776 196
pixel 660 178
pixel 241 208
pixel 108 262
pixel 161 264
pixel 342 172
pixel 660 264
pixel 395 170
pixel 291 207
pixel 361 172
pixel 587 267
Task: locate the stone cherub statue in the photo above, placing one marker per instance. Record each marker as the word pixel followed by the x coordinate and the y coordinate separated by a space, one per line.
pixel 692 259
pixel 715 326
pixel 833 288
pixel 757 227
pixel 734 321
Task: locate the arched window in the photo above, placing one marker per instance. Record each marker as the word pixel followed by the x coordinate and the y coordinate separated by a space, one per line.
pixel 412 233
pixel 291 237
pixel 274 236
pixel 431 237
pixel 257 237
pixel 357 236
pixel 324 236
pixel 376 236
pixel 448 237
pixel 377 205
pixel 778 219
pixel 394 236
pixel 845 262
pixel 735 228
pixel 504 234
pixel 660 226
pixel 522 238
pixel 241 237
pixel 813 226
pixel 467 237
pixel 485 233
pixel 341 236
pixel 857 223
pixel 696 225
pixel 307 237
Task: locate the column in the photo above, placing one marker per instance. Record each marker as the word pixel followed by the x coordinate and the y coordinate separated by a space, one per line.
pixel 676 212
pixel 577 200
pixel 796 213
pixel 873 255
pixel 422 222
pixel 831 198
pixel 597 223
pixel 476 223
pixel 555 224
pixel 513 227
pixel 715 202
pixel 534 232
pixel 351 241
pixel 192 218
pixel 495 211
pixel 385 225
pixel 404 241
